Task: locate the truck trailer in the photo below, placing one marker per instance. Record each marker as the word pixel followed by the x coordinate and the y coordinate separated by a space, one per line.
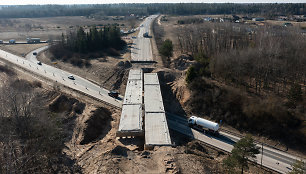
pixel 203 125
pixel 33 40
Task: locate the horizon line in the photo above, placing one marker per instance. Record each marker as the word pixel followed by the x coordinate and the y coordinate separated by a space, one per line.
pixel 156 3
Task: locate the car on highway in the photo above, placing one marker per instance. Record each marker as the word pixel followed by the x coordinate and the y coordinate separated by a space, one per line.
pixel 71 77
pixel 39 63
pixel 113 94
pixel 35 53
pixel 146 34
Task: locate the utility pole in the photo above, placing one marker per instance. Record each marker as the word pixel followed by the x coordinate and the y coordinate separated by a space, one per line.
pixel 261 153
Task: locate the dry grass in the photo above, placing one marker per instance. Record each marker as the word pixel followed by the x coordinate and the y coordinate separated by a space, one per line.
pixel 103 71
pixel 50 28
pixel 21 49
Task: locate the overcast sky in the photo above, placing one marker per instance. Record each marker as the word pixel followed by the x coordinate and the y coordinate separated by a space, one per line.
pixel 23 2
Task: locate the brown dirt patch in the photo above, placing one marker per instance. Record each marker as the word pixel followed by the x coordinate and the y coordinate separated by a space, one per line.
pixel 63 103
pixel 51 27
pixel 21 49
pixel 97 125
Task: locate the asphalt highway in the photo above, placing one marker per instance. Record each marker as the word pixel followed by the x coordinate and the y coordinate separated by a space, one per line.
pixel 61 77
pixel 141 50
pixel 272 158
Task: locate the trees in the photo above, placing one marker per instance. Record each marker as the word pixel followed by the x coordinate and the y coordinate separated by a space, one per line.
pixel 191 74
pixel 94 40
pixel 299 167
pixel 243 150
pixel 257 59
pixel 166 48
pixel 269 10
pixel 31 138
pixel 166 51
pixel 94 43
pixel 295 94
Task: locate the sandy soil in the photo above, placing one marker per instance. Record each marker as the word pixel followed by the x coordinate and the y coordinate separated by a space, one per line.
pixel 108 154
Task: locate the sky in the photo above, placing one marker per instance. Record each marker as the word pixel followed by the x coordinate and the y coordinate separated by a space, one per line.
pixel 25 2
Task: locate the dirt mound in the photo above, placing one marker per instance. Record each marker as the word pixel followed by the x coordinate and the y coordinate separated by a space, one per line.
pixel 8 70
pixel 97 125
pixel 125 64
pixel 167 76
pixel 180 90
pixel 183 62
pixel 171 102
pixel 197 148
pixel 63 103
pixel 120 150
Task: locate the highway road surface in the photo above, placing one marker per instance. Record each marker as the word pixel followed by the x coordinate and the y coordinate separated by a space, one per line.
pixel 141 50
pixel 20 42
pixel 32 57
pixel 61 77
pixel 272 158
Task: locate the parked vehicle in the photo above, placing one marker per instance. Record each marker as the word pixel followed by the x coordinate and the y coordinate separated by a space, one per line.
pixel 113 94
pixel 39 63
pixel 35 53
pixel 203 124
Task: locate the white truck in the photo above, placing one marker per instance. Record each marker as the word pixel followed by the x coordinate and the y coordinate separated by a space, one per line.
pixel 33 40
pixel 203 125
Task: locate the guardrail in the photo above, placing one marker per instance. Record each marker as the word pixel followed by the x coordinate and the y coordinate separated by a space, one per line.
pixel 49 79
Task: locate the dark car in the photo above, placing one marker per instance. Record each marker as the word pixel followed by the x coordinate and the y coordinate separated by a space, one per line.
pixel 34 53
pixel 113 94
pixel 39 63
pixel 71 77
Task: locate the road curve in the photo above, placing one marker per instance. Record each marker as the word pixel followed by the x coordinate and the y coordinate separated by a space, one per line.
pixel 61 77
pixel 32 57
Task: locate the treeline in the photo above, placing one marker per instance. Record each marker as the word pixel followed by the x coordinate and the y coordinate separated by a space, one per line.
pixel 78 45
pixel 268 10
pixel 267 58
pixel 262 72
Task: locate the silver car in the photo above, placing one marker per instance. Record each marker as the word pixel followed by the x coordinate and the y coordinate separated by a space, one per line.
pixel 71 77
